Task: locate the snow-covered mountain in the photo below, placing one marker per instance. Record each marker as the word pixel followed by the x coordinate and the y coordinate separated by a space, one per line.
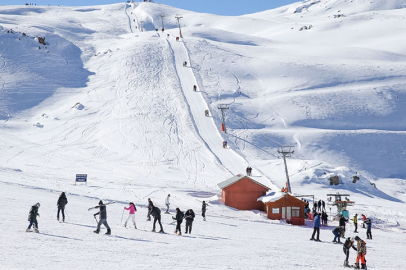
pixel 108 95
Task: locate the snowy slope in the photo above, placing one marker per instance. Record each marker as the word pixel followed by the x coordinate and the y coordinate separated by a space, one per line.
pixel 108 96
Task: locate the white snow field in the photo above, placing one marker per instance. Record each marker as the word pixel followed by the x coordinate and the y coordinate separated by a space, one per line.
pixel 108 96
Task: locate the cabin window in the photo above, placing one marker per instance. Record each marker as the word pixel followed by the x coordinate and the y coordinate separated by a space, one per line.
pixel 295 211
pixel 275 210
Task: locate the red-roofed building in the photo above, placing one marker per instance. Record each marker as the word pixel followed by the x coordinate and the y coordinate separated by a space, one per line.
pixel 242 192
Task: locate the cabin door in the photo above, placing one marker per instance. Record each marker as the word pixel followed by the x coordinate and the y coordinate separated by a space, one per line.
pixel 283 212
pixel 288 212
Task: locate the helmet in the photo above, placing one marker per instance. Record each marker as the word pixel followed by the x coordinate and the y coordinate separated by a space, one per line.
pixel 357 238
pixel 100 202
pixel 38 204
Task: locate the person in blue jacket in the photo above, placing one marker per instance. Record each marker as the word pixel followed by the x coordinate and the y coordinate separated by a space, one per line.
pixel 316 227
pixel 369 226
pixel 338 233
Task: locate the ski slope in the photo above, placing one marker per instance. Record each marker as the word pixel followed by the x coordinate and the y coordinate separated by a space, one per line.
pixel 108 96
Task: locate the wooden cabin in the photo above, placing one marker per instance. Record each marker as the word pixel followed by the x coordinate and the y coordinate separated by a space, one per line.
pixel 281 205
pixel 242 192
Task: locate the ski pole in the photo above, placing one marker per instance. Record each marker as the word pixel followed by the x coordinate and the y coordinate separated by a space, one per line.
pixel 96 220
pixel 121 222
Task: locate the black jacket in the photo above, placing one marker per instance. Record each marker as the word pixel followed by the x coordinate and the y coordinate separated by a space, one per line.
pixel 179 216
pixel 62 201
pixel 204 207
pixel 190 215
pixel 349 243
pixel 342 221
pixel 33 213
pixel 155 212
pixel 102 212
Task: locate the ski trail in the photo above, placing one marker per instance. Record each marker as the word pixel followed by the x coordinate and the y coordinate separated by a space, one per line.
pixel 205 126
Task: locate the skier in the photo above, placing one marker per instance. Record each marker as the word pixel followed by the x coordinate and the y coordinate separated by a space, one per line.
pixel 32 217
pixel 338 233
pixel 189 216
pixel 150 206
pixel 355 220
pixel 323 204
pixel 194 88
pixel 316 227
pixel 156 213
pixel 167 203
pixel 103 218
pixel 185 64
pixel 206 113
pixel 319 206
pixel 132 209
pixel 62 202
pixel 364 218
pixel 361 252
pixel 342 221
pixel 349 243
pixel 369 226
pixel 324 218
pixel 204 210
pixel 179 220
pixel 224 144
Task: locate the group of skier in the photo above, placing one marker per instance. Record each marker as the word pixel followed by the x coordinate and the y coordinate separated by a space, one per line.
pixel 153 211
pixel 32 215
pixel 351 242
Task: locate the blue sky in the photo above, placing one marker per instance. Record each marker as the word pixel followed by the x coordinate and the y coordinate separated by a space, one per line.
pixel 220 7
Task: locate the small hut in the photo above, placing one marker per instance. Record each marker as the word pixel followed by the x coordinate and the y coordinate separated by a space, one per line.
pixel 280 205
pixel 242 192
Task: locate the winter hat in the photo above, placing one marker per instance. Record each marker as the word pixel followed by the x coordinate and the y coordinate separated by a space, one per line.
pixel 37 204
pixel 356 238
pixel 100 202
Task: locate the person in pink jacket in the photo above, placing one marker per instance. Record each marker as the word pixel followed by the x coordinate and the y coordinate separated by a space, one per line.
pixel 132 209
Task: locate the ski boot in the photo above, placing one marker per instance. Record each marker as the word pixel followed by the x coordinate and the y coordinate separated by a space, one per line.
pixel 180 234
pixel 125 225
pixel 96 231
pixel 135 226
pixel 63 219
pixel 363 266
pixel 356 266
pixel 175 232
pixel 346 264
pixel 27 230
pixel 161 231
pixel 57 218
pixel 153 230
pixel 108 232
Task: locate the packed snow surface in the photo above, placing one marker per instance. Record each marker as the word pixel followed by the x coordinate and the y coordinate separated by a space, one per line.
pixel 107 95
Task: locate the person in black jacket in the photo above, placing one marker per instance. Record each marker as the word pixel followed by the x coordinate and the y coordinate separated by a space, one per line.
pixel 179 220
pixel 189 216
pixel 349 242
pixel 204 210
pixel 150 207
pixel 103 218
pixel 32 217
pixel 156 213
pixel 62 202
pixel 342 221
